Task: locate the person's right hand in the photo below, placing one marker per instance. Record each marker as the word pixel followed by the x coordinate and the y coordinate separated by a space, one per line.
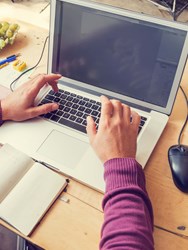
pixel 19 105
pixel 117 133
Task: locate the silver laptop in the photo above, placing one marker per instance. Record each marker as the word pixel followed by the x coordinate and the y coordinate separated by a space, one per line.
pixel 102 50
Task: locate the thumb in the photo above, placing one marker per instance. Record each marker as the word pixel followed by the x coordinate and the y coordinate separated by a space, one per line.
pixel 42 109
pixel 91 128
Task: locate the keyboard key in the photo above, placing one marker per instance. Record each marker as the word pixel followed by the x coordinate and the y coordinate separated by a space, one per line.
pixel 94 118
pixel 79 97
pixel 142 123
pixel 84 122
pixel 94 113
pixel 66 109
pixel 74 125
pixel 66 115
pixel 79 120
pixel 143 118
pixel 61 107
pixel 63 96
pixel 95 107
pixel 57 99
pixel 85 116
pixel 75 100
pixel 79 114
pixel 50 97
pixel 59 112
pixel 63 102
pixel 45 101
pixel 55 118
pixel 72 117
pixel 73 111
pixel 75 106
pixel 88 104
pixel 82 102
pixel 51 92
pixel 69 98
pixel 92 101
pixel 58 94
pixel 81 108
pixel 88 111
pixel 69 104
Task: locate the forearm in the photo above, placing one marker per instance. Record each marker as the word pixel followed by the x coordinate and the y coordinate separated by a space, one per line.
pixel 1 114
pixel 128 220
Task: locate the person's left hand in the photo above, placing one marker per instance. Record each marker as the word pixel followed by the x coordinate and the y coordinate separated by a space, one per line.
pixel 116 136
pixel 19 105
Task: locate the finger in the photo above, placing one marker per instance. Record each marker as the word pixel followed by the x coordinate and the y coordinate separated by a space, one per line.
pixel 42 109
pixel 41 80
pixel 55 86
pixel 135 118
pixel 34 76
pixel 91 128
pixel 126 113
pixel 117 108
pixel 106 108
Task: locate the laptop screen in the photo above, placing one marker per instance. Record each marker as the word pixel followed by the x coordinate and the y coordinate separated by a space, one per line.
pixel 131 57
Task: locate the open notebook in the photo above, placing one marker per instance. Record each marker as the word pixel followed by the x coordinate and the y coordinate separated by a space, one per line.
pixel 27 189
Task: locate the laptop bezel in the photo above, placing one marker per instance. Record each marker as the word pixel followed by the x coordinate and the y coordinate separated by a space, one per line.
pixel 98 91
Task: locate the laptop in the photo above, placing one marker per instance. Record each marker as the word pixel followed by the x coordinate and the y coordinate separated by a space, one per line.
pixel 102 50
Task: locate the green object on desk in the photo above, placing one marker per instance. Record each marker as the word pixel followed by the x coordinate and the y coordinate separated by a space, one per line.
pixel 8 33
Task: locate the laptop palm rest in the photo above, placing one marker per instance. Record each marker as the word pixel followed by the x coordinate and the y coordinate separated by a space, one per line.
pixel 63 149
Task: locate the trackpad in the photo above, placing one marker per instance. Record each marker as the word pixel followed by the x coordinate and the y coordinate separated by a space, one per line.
pixel 63 149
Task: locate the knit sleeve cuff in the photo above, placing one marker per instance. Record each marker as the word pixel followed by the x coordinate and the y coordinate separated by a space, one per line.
pixel 1 119
pixel 123 172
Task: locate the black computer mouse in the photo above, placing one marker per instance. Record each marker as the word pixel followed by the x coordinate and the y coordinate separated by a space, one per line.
pixel 178 160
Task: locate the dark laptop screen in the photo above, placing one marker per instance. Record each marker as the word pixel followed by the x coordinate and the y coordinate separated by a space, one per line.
pixel 121 54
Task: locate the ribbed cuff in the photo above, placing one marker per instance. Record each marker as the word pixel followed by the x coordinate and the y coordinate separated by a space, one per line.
pixel 1 120
pixel 123 172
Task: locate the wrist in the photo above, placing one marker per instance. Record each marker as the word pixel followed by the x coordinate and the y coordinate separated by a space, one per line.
pixel 4 111
pixel 1 114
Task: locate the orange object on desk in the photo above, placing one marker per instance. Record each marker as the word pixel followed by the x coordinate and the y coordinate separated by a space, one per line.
pixel 3 65
pixel 19 65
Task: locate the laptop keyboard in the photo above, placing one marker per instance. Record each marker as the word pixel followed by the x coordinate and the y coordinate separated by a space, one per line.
pixel 74 109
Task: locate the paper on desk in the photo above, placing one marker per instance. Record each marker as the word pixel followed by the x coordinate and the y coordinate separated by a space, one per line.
pixel 8 75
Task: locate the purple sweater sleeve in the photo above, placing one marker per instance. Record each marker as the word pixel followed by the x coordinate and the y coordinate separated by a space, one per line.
pixel 128 216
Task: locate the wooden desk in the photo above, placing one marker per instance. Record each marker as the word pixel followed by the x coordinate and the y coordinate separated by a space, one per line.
pixel 76 225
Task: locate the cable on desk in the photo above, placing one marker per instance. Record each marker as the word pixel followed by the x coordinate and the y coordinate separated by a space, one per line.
pixel 179 138
pixel 15 80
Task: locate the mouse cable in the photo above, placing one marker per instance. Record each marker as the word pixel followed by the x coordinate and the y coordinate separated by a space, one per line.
pixel 179 138
pixel 15 80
